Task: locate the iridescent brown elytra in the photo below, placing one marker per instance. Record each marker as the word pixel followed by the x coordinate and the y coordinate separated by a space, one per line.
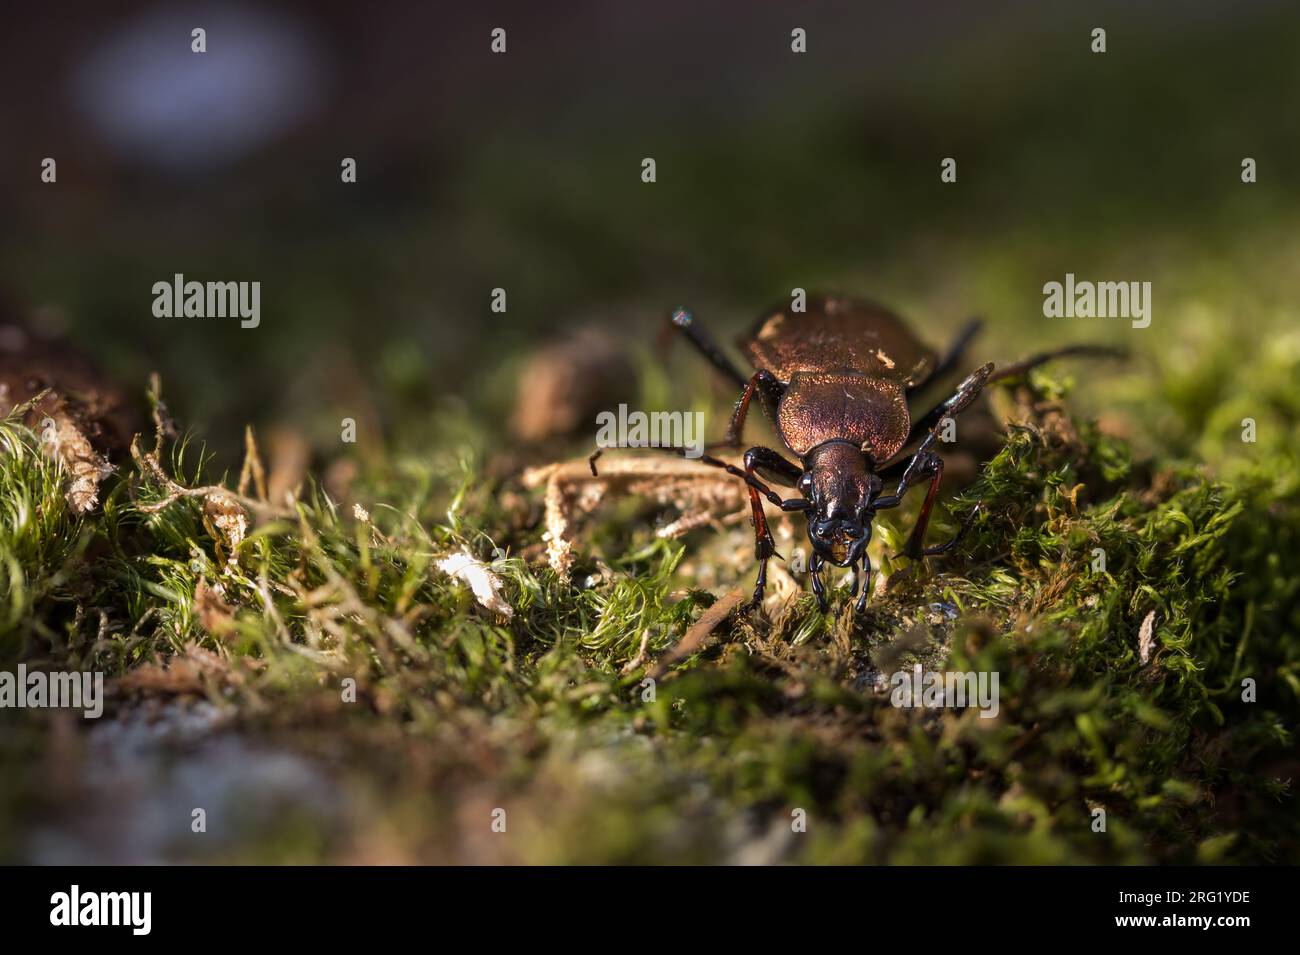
pixel 836 379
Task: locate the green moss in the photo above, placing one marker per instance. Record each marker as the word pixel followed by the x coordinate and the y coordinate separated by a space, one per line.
pixel 1185 770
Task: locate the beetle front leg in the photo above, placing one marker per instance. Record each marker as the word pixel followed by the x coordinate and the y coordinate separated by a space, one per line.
pixel 914 472
pixel 769 390
pixel 815 573
pixel 926 464
pixel 760 586
pixel 861 605
pixel 956 538
pixel 932 467
pixel 865 579
pixel 764 545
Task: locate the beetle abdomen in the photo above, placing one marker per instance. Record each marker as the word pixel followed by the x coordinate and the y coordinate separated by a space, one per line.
pixel 842 406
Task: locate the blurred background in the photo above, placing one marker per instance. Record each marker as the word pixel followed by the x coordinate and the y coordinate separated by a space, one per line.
pixel 522 171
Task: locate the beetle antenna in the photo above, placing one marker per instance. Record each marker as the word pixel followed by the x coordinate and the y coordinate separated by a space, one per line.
pixel 731 469
pixel 1091 351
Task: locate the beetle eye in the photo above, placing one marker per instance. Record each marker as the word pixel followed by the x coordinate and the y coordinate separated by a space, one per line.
pixel 805 485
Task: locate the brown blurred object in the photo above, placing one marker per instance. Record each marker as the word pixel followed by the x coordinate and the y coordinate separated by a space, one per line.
pixel 564 386
pixel 290 456
pixel 80 416
pixel 339 477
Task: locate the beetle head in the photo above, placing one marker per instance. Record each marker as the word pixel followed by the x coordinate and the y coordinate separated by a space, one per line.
pixel 840 488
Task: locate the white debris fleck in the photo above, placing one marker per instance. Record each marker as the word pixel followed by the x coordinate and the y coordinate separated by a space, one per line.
pixel 485 584
pixel 1146 637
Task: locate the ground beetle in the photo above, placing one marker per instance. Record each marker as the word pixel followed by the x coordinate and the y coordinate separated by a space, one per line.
pixel 835 379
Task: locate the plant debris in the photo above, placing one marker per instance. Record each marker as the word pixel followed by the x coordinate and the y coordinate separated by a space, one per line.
pixel 701 494
pixel 1146 637
pixel 699 633
pixel 486 585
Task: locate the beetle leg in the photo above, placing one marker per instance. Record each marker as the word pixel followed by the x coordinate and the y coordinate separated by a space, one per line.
pixel 682 320
pixel 924 464
pixel 770 391
pixel 760 586
pixel 773 466
pixel 764 546
pixel 764 457
pixel 815 572
pixel 1022 366
pixel 958 402
pixel 952 356
pixel 861 605
pixel 914 470
pixel 932 466
pixel 956 538
pixel 915 547
pixel 753 482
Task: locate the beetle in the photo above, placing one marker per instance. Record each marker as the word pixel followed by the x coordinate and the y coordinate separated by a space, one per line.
pixel 835 379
